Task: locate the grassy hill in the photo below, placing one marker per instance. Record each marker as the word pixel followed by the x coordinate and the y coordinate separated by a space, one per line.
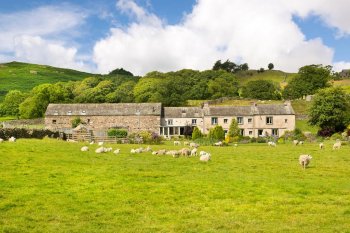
pixel 24 76
pixel 51 186
pixel 276 76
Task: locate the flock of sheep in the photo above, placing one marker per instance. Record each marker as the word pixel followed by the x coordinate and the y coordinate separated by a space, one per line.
pixel 11 139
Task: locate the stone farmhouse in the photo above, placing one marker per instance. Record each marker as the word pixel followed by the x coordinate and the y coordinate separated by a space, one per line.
pixel 253 121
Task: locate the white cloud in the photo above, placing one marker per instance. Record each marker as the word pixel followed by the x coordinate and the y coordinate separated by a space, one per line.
pixel 240 30
pixel 339 66
pixel 34 49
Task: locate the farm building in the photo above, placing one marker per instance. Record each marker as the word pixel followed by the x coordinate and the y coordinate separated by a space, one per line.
pixel 253 121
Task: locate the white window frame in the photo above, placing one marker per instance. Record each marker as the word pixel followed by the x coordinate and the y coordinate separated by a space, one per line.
pixel 214 120
pixel 240 120
pixel 268 121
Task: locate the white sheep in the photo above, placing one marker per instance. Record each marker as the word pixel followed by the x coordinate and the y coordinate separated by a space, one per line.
pixel 100 143
pixel 304 160
pixel 100 150
pixel 12 139
pixel 148 149
pixel 321 145
pixel 185 152
pixel 92 142
pixel 177 143
pixel 195 145
pixel 218 144
pixel 271 144
pixel 202 153
pixel 116 151
pixel 109 149
pixel 194 152
pixel 1 140
pixel 186 143
pixel 84 148
pixel 295 142
pixel 173 153
pixel 336 145
pixel 205 158
pixel 301 143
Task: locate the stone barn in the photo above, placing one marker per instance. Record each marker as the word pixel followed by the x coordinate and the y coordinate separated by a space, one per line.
pixel 134 117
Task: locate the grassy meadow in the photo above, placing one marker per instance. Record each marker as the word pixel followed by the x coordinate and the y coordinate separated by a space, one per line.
pixel 51 186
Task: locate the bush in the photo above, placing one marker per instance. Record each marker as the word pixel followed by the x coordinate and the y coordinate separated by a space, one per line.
pixel 326 132
pixel 29 133
pixel 205 141
pixel 150 137
pixel 119 133
pixel 217 133
pixel 75 122
pixel 261 140
pixel 196 134
pixel 337 136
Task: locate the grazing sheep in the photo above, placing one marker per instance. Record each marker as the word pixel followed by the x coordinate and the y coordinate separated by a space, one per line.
pixel 92 142
pixel 109 149
pixel 154 152
pixel 148 149
pixel 173 153
pixel 194 145
pixel 186 143
pixel 321 145
pixel 202 153
pixel 205 158
pixel 116 151
pixel 161 152
pixel 295 142
pixel 100 150
pixel 100 143
pixel 1 140
pixel 194 152
pixel 304 160
pixel 271 144
pixel 336 145
pixel 301 143
pixel 218 144
pixel 12 139
pixel 84 148
pixel 185 152
pixel 177 143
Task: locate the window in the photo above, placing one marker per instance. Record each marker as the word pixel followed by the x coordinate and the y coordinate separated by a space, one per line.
pixel 241 132
pixel 194 121
pixel 170 122
pixel 225 121
pixel 214 120
pixel 285 120
pixel 240 120
pixel 269 120
pixel 274 132
pixel 250 120
pixel 250 132
pixel 260 132
pixel 88 121
pixel 54 121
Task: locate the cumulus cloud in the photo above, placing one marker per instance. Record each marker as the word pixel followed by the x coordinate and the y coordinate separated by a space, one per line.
pixel 339 66
pixel 39 36
pixel 240 30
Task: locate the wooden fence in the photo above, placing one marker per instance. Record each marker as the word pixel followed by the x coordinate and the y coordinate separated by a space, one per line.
pixel 87 137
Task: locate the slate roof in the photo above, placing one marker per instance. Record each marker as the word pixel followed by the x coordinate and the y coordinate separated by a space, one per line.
pixel 119 109
pixel 182 112
pixel 275 109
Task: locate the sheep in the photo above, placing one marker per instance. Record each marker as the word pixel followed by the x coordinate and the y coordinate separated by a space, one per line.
pixel 12 139
pixel 100 150
pixel 186 143
pixel 109 149
pixel 173 153
pixel 92 142
pixel 84 148
pixel 154 152
pixel 205 157
pixel 177 143
pixel 185 152
pixel 271 144
pixel 148 149
pixel 116 151
pixel 202 153
pixel 194 152
pixel 100 143
pixel 161 152
pixel 336 145
pixel 195 145
pixel 295 142
pixel 321 145
pixel 1 140
pixel 70 140
pixel 218 144
pixel 304 160
pixel 301 142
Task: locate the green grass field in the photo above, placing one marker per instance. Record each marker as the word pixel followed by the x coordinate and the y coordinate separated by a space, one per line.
pixel 50 186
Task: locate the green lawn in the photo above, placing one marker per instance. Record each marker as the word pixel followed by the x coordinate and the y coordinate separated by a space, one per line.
pixel 50 186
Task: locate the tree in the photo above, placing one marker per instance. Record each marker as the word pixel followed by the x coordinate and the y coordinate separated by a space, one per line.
pixel 330 109
pixel 271 66
pixel 261 89
pixel 121 71
pixel 217 133
pixel 10 105
pixel 309 79
pixel 196 134
pixel 233 130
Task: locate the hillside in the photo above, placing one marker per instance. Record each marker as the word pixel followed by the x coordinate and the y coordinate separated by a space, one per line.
pixel 276 76
pixel 24 76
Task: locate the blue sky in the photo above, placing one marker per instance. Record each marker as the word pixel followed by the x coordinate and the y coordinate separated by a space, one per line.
pixel 165 35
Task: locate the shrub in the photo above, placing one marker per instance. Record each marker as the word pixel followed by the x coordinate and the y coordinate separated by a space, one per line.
pixel 326 132
pixel 76 121
pixel 150 137
pixel 205 141
pixel 196 134
pixel 261 140
pixel 337 136
pixel 217 133
pixel 119 133
pixel 29 133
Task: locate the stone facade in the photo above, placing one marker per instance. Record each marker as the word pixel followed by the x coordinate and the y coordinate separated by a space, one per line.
pixel 254 121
